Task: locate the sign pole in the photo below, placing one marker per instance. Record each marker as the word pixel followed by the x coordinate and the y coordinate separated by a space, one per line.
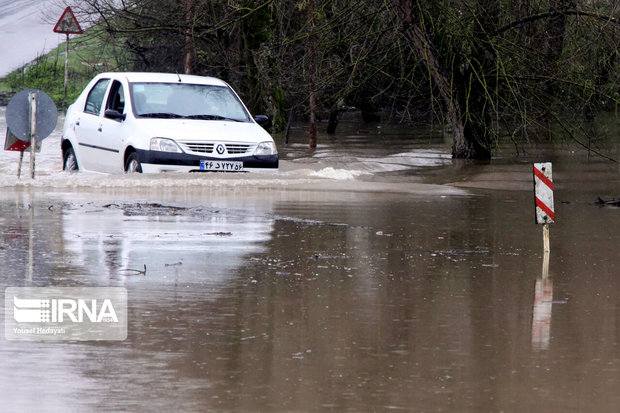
pixel 67 24
pixel 545 266
pixel 19 166
pixel 30 117
pixel 66 63
pixel 32 97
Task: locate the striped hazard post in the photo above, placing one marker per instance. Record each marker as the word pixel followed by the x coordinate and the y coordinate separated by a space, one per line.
pixel 543 192
pixel 543 188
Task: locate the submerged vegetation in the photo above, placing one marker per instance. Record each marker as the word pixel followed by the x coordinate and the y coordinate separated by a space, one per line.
pixel 489 69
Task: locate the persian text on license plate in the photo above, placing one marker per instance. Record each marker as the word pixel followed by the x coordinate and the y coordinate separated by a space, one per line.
pixel 221 166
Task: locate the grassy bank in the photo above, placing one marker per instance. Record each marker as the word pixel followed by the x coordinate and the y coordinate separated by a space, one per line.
pixel 87 57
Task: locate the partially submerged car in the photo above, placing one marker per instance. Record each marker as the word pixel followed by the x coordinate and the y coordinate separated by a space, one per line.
pixel 161 122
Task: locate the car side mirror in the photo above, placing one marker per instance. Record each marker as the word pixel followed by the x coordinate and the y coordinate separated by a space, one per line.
pixel 114 115
pixel 263 120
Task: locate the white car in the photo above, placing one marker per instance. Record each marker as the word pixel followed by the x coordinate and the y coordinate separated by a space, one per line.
pixel 160 122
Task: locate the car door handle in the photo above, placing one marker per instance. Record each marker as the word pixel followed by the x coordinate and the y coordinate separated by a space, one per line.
pixel 77 123
pixel 99 129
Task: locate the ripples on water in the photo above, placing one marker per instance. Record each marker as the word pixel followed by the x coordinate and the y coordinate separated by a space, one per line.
pixel 332 160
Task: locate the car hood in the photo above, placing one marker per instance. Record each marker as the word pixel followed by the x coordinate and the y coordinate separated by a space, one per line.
pixel 204 130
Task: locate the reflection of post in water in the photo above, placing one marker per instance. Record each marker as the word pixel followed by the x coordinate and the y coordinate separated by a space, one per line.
pixel 543 302
pixel 31 243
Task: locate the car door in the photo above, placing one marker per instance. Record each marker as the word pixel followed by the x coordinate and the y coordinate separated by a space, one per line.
pixel 88 126
pixel 113 128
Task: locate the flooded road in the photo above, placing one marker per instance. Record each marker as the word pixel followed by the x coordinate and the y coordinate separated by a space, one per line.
pixel 358 279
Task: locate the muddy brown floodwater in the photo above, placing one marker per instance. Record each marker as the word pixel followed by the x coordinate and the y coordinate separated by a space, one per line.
pixel 305 293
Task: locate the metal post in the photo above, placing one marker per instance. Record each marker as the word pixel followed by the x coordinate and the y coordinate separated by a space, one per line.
pixel 19 166
pixel 31 243
pixel 32 98
pixel 66 63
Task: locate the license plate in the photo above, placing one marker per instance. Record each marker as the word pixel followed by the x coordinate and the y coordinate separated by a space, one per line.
pixel 221 166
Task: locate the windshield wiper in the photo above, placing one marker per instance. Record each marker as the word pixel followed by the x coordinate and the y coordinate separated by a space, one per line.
pixel 166 115
pixel 212 117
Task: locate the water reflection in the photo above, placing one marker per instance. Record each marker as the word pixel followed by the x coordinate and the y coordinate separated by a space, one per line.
pixel 543 302
pixel 116 240
pixel 541 319
pixel 320 300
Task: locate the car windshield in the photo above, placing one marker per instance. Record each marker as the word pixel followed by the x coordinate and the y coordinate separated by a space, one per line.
pixel 182 100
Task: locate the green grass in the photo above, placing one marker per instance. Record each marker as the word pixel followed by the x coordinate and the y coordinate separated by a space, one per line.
pixel 88 56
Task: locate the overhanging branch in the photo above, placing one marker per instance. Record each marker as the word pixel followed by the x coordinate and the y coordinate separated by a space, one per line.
pixel 546 15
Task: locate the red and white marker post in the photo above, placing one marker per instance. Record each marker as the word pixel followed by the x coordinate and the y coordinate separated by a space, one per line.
pixel 543 192
pixel 543 295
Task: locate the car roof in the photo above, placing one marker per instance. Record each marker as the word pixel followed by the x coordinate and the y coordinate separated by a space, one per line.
pixel 149 77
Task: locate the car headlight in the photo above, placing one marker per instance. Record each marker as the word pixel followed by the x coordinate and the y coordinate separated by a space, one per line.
pixel 266 148
pixel 164 145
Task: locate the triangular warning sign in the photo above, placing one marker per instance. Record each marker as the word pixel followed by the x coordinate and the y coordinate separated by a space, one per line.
pixel 68 23
pixel 11 143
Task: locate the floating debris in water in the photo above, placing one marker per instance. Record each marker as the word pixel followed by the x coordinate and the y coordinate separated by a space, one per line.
pixel 173 264
pixel 612 202
pixel 459 252
pixel 382 234
pixel 134 272
pixel 300 355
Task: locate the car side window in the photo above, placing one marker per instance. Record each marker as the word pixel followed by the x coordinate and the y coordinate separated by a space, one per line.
pixel 116 97
pixel 94 101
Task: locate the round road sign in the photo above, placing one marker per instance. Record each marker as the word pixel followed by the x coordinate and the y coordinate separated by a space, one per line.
pixel 18 115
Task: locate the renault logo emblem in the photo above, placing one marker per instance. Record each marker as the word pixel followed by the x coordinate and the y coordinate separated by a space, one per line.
pixel 220 149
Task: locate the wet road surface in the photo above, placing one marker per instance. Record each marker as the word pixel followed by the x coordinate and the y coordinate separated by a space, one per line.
pixel 29 24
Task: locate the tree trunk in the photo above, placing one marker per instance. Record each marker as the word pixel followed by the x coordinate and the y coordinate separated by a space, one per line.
pixel 470 139
pixel 522 10
pixel 312 128
pixel 332 120
pixel 556 28
pixel 424 48
pixel 312 77
pixel 190 47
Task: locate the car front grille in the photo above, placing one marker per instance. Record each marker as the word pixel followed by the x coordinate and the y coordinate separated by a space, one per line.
pixel 237 149
pixel 209 147
pixel 198 147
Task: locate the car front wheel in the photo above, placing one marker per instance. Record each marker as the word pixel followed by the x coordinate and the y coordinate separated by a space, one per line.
pixel 133 164
pixel 69 160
